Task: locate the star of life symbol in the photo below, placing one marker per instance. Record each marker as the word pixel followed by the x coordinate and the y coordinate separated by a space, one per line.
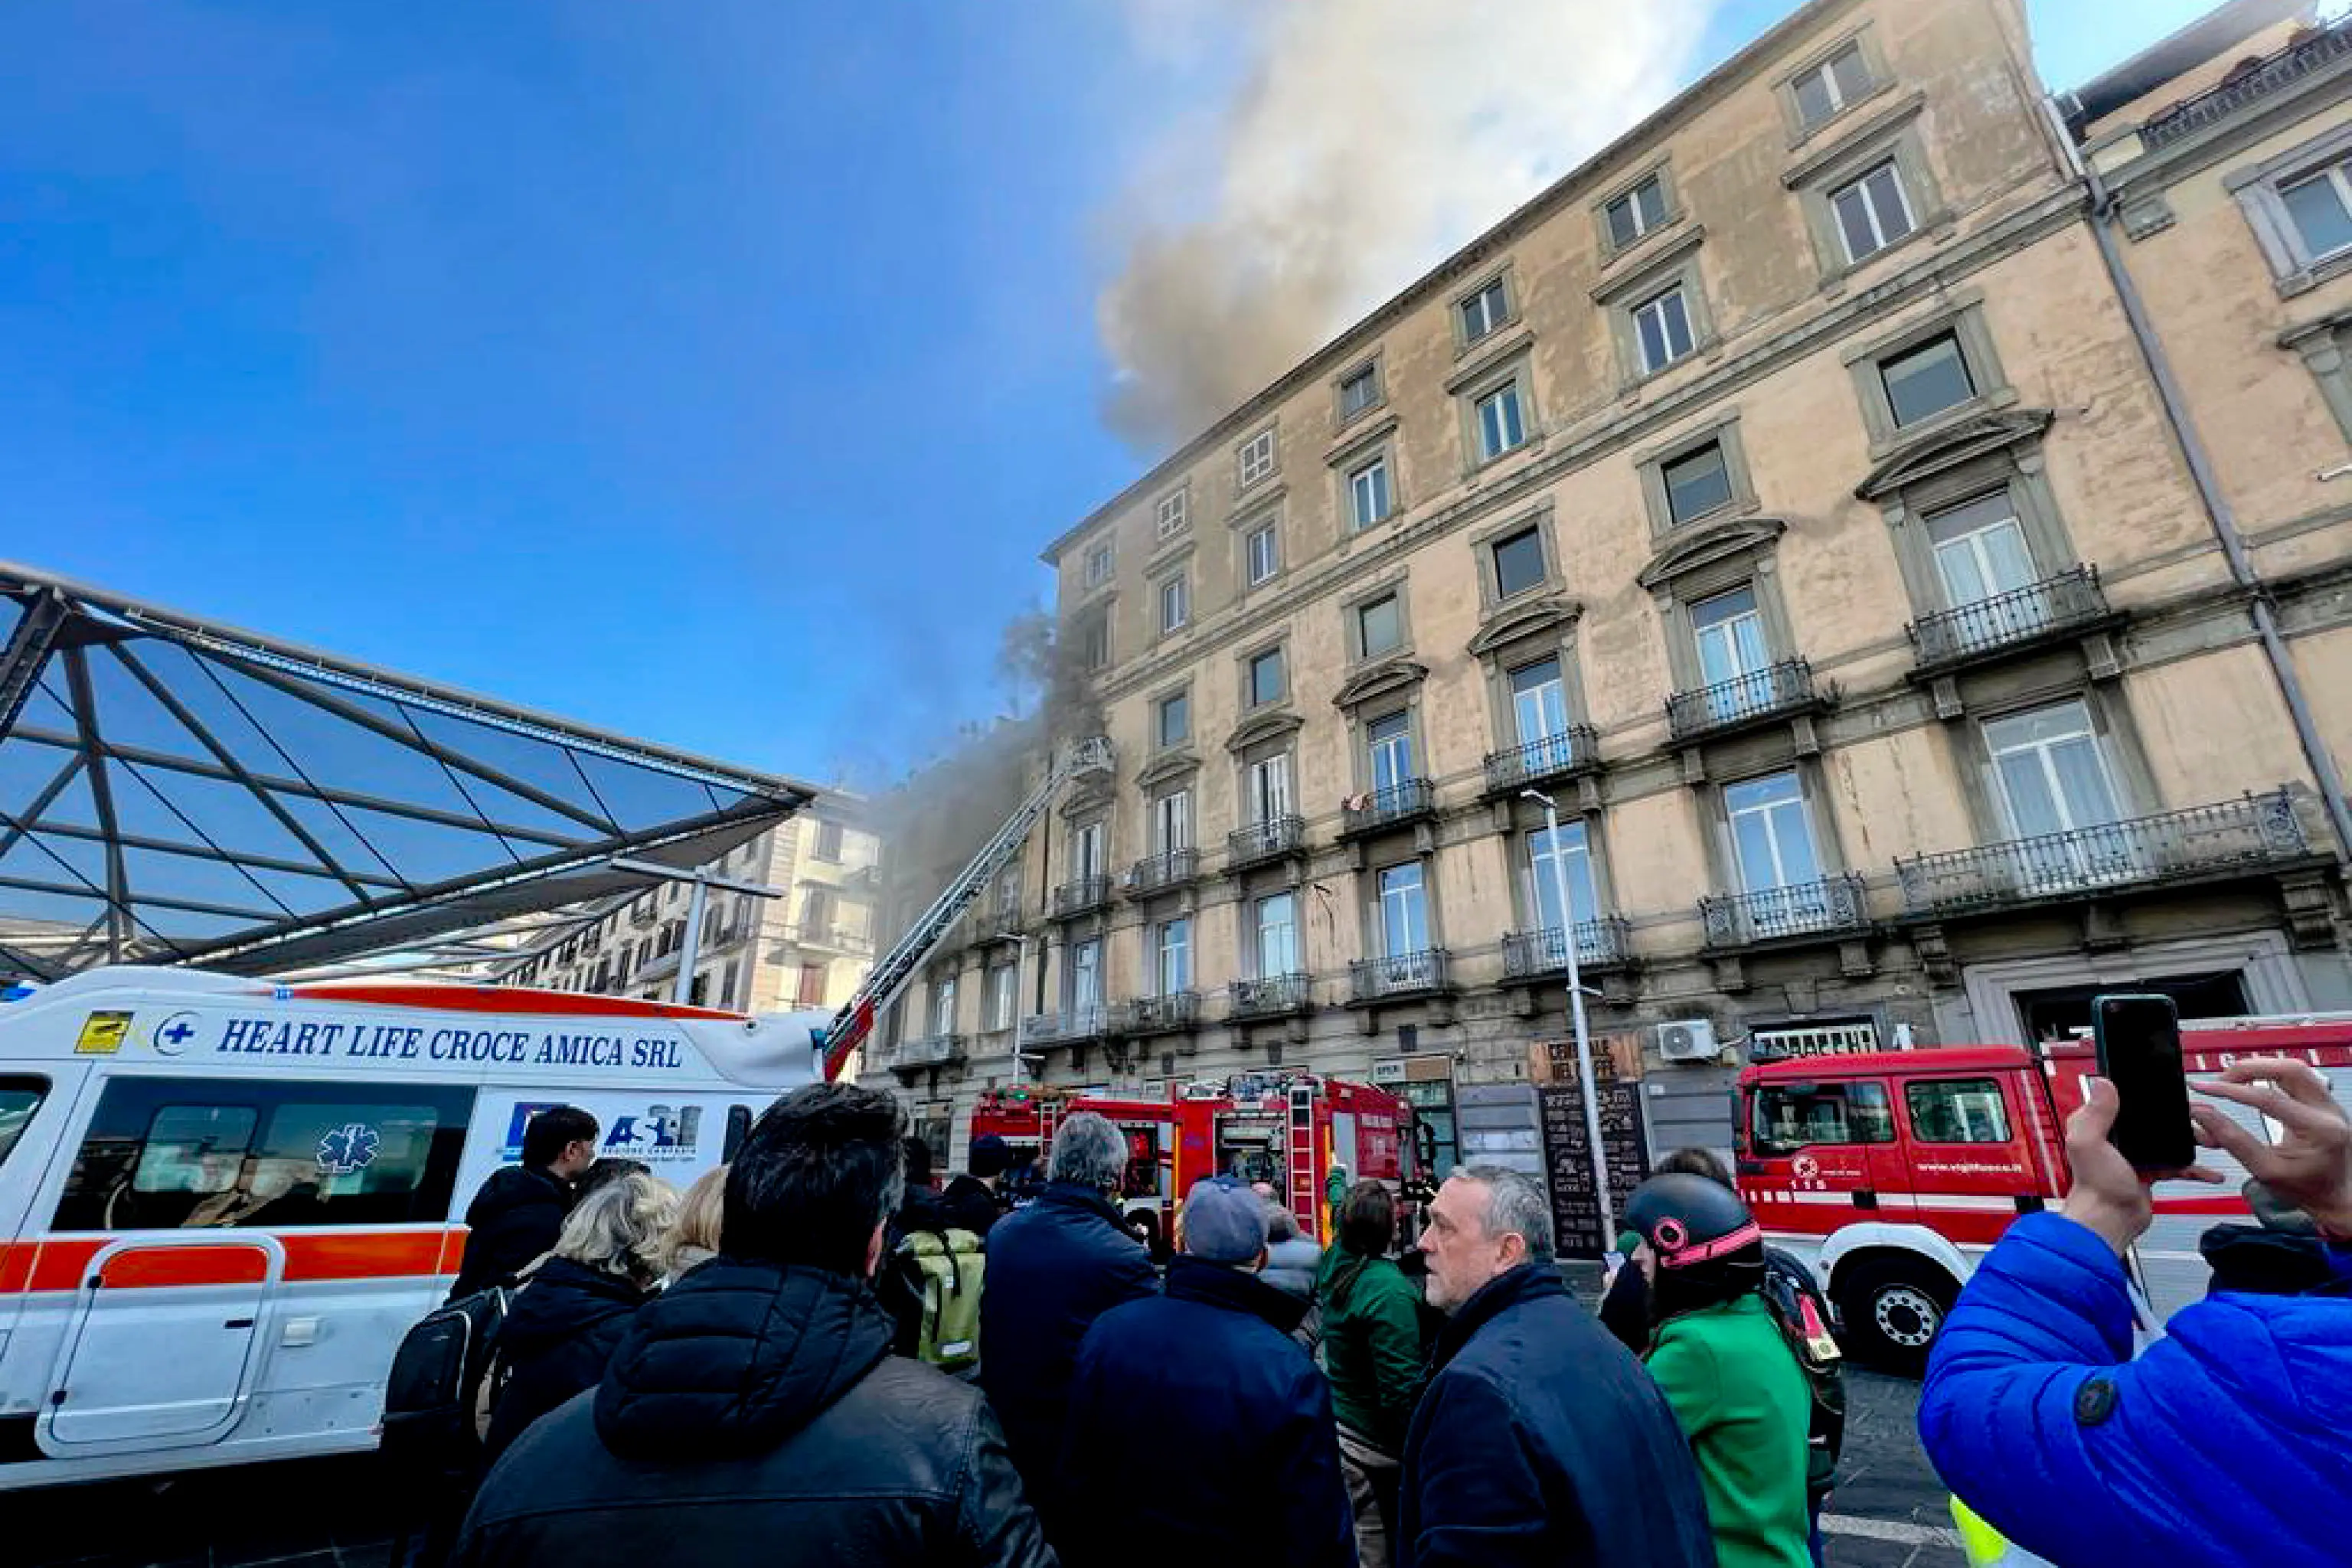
pixel 348 1148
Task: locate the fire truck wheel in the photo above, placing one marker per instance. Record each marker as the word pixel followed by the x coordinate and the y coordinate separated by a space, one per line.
pixel 1893 1309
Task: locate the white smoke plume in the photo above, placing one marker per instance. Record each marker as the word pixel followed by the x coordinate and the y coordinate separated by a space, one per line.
pixel 1367 139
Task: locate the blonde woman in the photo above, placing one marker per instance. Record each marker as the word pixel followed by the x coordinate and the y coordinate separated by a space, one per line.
pixel 573 1312
pixel 694 1238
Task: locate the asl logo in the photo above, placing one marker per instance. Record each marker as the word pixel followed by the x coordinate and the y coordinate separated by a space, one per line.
pixel 172 1038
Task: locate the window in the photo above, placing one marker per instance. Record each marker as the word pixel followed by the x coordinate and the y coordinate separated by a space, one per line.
pixel 1358 390
pixel 1404 912
pixel 1539 701
pixel 810 991
pixel 1171 821
pixel 828 843
pixel 1000 996
pixel 1086 973
pixel 1269 788
pixel 943 1004
pixel 1923 381
pixel 728 995
pixel 1636 213
pixel 1484 311
pixel 1088 850
pixel 2320 206
pixel 1278 936
pixel 1980 552
pixel 1266 682
pixel 1824 91
pixel 1518 562
pixel 1957 1110
pixel 1100 560
pixel 816 914
pixel 1380 627
pixel 19 1098
pixel 182 1154
pixel 1173 945
pixel 1175 603
pixel 1573 858
pixel 2052 773
pixel 1502 423
pixel 1261 554
pixel 1390 740
pixel 1771 838
pixel 1175 720
pixel 1173 512
pixel 1792 1117
pixel 1368 492
pixel 1729 630
pixel 1696 483
pixel 1663 324
pixel 1871 212
pixel 1256 457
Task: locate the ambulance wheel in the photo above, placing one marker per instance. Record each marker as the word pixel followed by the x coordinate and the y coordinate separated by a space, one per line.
pixel 1893 1310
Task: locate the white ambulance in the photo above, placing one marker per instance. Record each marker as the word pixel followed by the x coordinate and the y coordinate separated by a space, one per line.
pixel 221 1202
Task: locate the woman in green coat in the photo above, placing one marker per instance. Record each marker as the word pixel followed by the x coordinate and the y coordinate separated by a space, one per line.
pixel 1732 1382
pixel 1373 1352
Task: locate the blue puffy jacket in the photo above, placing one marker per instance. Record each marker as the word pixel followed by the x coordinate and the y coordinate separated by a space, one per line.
pixel 2224 1443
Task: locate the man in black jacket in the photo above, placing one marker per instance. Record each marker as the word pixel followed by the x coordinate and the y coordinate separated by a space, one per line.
pixel 1540 1439
pixel 753 1414
pixel 520 1211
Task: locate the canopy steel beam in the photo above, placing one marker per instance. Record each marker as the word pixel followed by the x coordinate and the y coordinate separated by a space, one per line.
pixel 226 856
pixel 46 613
pixel 101 795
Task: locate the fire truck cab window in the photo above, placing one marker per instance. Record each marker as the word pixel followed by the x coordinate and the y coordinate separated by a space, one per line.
pixel 1144 1177
pixel 1957 1110
pixel 1249 1148
pixel 1795 1115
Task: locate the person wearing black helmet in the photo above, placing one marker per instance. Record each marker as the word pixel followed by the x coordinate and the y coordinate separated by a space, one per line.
pixel 1732 1380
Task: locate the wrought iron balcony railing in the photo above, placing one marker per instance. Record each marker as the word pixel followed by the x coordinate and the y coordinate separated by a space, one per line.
pixel 2283 69
pixel 1266 840
pixel 1404 802
pixel 1069 1026
pixel 1005 918
pixel 1157 873
pixel 2202 840
pixel 1271 998
pixel 1828 907
pixel 1777 689
pixel 1081 894
pixel 1400 975
pixel 932 1050
pixel 1162 1015
pixel 1574 748
pixel 1604 943
pixel 2023 615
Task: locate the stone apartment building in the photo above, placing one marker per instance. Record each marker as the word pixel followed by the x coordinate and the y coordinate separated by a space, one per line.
pixel 808 948
pixel 1902 524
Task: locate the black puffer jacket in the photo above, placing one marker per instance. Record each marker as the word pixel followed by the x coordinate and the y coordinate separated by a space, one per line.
pixel 514 1219
pixel 752 1415
pixel 564 1329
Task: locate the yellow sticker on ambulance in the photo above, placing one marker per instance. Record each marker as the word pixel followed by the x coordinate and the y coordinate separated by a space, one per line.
pixel 102 1034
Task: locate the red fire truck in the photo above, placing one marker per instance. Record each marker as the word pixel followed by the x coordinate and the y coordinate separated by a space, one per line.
pixel 1891 1172
pixel 1294 1131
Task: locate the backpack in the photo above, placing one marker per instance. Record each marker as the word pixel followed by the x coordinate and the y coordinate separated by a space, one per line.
pixel 432 1394
pixel 1808 1325
pixel 942 1273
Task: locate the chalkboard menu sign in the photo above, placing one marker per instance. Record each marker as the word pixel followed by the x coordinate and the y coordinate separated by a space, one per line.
pixel 1575 1207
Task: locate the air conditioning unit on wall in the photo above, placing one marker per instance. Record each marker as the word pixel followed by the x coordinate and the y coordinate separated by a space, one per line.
pixel 1688 1040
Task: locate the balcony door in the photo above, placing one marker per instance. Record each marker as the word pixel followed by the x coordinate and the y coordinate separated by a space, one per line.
pixel 1390 740
pixel 1404 919
pixel 1981 557
pixel 1087 850
pixel 2058 795
pixel 1269 789
pixel 1171 821
pixel 1175 965
pixel 1772 845
pixel 1539 706
pixel 1732 656
pixel 1278 936
pixel 1085 975
pixel 1546 861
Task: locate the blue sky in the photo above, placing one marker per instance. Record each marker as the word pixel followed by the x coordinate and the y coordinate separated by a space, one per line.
pixel 711 371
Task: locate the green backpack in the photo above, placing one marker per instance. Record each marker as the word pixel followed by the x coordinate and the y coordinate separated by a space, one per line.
pixel 943 1269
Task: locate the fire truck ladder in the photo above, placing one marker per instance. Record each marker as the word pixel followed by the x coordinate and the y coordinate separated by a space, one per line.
pixel 1298 1160
pixel 894 969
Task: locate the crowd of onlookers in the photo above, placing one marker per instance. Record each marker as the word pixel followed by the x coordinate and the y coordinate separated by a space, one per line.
pixel 739 1374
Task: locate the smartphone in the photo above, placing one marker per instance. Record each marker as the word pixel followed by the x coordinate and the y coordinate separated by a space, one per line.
pixel 2138 1041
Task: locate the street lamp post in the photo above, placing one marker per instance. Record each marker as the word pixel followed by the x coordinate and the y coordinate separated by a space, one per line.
pixel 1020 1003
pixel 1586 1088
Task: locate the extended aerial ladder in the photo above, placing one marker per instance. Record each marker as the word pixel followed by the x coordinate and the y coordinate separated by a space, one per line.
pixel 894 969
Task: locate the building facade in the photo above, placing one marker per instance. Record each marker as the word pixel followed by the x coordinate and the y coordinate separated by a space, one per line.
pixel 1898 527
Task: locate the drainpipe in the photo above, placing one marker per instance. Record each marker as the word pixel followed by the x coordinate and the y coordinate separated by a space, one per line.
pixel 2217 512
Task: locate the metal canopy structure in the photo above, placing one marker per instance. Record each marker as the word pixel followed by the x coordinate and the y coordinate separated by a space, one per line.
pixel 177 791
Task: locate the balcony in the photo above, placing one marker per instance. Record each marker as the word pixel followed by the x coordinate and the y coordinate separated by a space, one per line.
pixel 1605 943
pixel 1159 873
pixel 1399 977
pixel 1082 895
pixel 833 938
pixel 1072 1026
pixel 1000 921
pixel 1574 750
pixel 1414 800
pixel 1262 841
pixel 1745 700
pixel 1277 997
pixel 1834 906
pixel 2202 841
pixel 2282 71
pixel 916 1056
pixel 1173 1013
pixel 2071 601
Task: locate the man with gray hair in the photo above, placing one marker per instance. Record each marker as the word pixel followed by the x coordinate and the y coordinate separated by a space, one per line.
pixel 1053 1268
pixel 1540 1439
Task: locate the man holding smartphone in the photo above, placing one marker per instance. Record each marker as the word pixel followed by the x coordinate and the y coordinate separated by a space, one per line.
pixel 2224 1442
